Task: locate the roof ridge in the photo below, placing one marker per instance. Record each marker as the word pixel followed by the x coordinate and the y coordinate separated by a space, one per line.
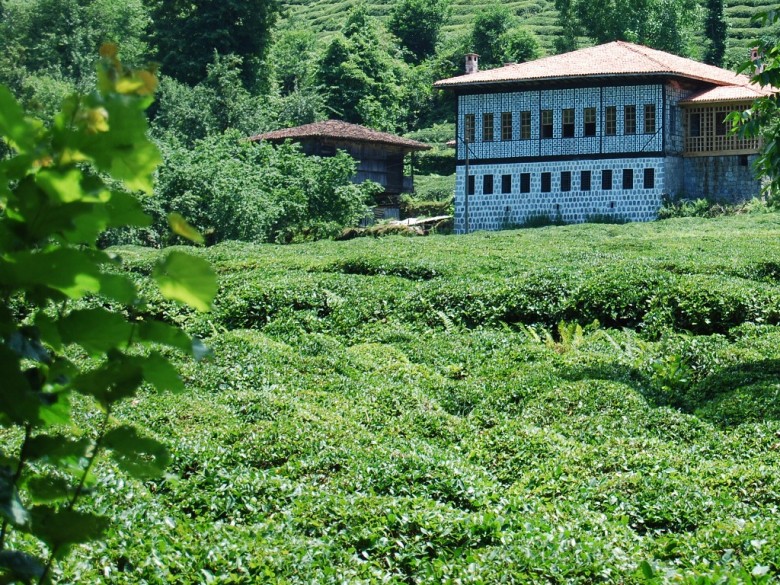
pixel 634 49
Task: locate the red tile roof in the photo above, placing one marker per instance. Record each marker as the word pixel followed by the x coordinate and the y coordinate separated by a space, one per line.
pixel 336 129
pixel 618 58
pixel 729 93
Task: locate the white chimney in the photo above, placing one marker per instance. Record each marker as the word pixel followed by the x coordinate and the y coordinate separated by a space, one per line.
pixel 472 63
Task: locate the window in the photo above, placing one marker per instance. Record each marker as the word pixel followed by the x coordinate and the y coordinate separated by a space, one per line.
pixel 590 122
pixel 506 126
pixel 525 182
pixel 471 184
pixel 649 179
pixel 721 126
pixel 694 125
pixel 546 182
pixel 629 120
pixel 468 130
pixel 567 127
pixel 566 181
pixel 585 181
pixel 628 178
pixel 649 118
pixel 606 180
pixel 547 124
pixel 610 120
pixel 525 125
pixel 506 183
pixel 487 184
pixel 487 127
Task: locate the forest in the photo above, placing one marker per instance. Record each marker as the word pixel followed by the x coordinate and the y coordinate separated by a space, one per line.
pixel 202 385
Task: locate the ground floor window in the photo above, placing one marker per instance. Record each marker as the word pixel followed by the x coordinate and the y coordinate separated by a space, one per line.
pixel 471 185
pixel 628 178
pixel 585 181
pixel 566 181
pixel 606 180
pixel 506 183
pixel 649 179
pixel 487 184
pixel 546 182
pixel 525 182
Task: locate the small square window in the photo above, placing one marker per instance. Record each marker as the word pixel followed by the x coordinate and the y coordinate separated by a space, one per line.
pixel 589 118
pixel 566 181
pixel 487 127
pixel 585 181
pixel 649 118
pixel 471 184
pixel 546 182
pixel 567 127
pixel 629 120
pixel 469 128
pixel 547 124
pixel 649 178
pixel 487 184
pixel 506 126
pixel 610 120
pixel 525 125
pixel 606 180
pixel 628 178
pixel 506 183
pixel 525 182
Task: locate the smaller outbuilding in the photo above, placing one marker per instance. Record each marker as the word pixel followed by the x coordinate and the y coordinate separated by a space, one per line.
pixel 379 155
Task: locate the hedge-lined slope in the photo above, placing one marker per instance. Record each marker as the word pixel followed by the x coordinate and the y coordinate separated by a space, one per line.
pixel 539 16
pixel 409 410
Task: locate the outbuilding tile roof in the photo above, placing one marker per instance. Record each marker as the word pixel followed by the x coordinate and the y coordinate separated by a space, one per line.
pixel 336 129
pixel 728 93
pixel 618 58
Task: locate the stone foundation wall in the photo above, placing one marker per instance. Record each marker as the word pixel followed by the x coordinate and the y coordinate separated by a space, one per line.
pixel 505 210
pixel 721 178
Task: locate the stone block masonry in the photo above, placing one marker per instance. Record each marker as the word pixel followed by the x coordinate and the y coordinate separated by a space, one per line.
pixel 634 193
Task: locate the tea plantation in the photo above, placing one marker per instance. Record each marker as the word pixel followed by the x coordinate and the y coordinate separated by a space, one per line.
pixel 579 404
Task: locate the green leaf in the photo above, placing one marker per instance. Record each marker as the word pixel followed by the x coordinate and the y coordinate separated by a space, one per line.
pixel 69 271
pixel 11 507
pixel 187 279
pixel 96 330
pixel 119 377
pixel 58 450
pixel 48 488
pixel 181 227
pixel 18 403
pixel 141 457
pixel 647 570
pixel 60 528
pixel 126 210
pixel 159 372
pixel 164 334
pixel 13 123
pixel 118 288
pixel 22 566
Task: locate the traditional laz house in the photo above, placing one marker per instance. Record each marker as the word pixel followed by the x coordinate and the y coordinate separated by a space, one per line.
pixel 601 131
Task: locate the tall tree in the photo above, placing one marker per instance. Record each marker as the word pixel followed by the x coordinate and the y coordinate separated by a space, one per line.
pixel 417 24
pixel 663 24
pixel 185 34
pixel 498 38
pixel 715 30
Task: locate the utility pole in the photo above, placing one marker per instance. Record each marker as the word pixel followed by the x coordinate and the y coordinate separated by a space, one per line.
pixel 466 189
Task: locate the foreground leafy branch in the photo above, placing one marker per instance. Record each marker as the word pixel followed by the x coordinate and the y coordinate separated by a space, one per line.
pixel 55 203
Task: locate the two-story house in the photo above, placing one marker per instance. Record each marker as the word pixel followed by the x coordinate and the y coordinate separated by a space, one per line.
pixel 606 130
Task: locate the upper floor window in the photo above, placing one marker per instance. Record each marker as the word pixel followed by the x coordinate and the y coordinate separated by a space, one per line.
pixel 506 126
pixel 694 124
pixel 589 119
pixel 525 125
pixel 629 120
pixel 547 123
pixel 567 126
pixel 468 128
pixel 487 127
pixel 649 118
pixel 721 126
pixel 610 120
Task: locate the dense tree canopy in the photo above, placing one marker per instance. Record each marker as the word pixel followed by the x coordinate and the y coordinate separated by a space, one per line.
pixel 498 38
pixel 715 33
pixel 417 24
pixel 187 32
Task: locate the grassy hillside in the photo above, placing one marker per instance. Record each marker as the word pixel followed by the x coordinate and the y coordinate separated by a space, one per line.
pixel 327 16
pixel 412 411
